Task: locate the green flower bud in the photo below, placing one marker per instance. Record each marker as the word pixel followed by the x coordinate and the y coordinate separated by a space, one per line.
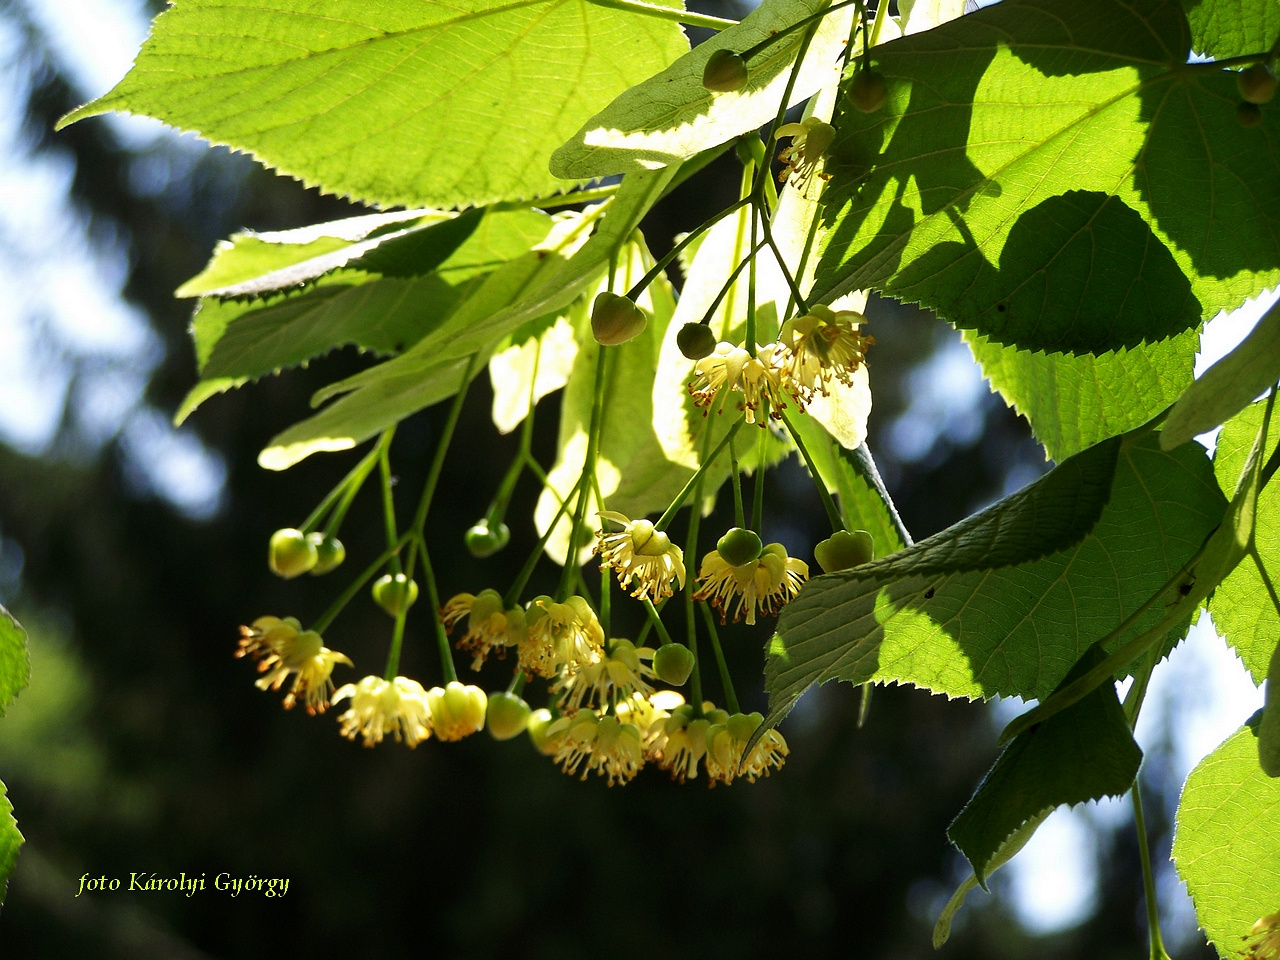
pixel 1256 83
pixel 483 540
pixel 329 553
pixel 616 319
pixel 539 721
pixel 739 546
pixel 394 594
pixel 716 715
pixel 725 72
pixel 1249 114
pixel 291 554
pixel 696 341
pixel 673 663
pixel 867 91
pixel 508 716
pixel 844 549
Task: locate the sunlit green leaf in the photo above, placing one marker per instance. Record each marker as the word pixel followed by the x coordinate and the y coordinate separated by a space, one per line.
pixel 10 841
pixel 1073 401
pixel 1007 601
pixel 1229 385
pixel 1227 841
pixel 1230 28
pixel 529 368
pixel 255 264
pixel 672 116
pixel 1086 752
pixel 15 664
pixel 1050 175
pixel 416 102
pixel 1241 607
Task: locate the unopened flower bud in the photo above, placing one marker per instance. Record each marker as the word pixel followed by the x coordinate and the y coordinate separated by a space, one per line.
pixel 329 553
pixel 673 663
pixel 395 594
pixel 867 91
pixel 696 341
pixel 739 546
pixel 616 319
pixel 725 72
pixel 507 716
pixel 844 549
pixel 1256 83
pixel 483 540
pixel 291 554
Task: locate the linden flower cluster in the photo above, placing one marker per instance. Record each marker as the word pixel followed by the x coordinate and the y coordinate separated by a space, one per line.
pixel 402 708
pixel 813 351
pixel 282 648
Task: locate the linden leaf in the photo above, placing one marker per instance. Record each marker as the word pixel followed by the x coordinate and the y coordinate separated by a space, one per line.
pixel 15 664
pixel 1007 601
pixel 1232 28
pixel 541 283
pixel 1085 752
pixel 1229 385
pixel 414 102
pixel 672 116
pixel 533 366
pixel 1074 401
pixel 1241 607
pixel 1227 842
pixel 10 840
pixel 1048 175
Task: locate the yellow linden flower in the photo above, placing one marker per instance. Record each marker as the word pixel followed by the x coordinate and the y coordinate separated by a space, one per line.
pixel 457 711
pixel 639 551
pixel 379 707
pixel 489 628
pixel 820 347
pixel 810 141
pixel 1265 935
pixel 559 635
pixel 765 583
pixel 727 741
pixel 603 744
pixel 649 713
pixel 283 649
pixel 615 676
pixel 757 378
pixel 680 744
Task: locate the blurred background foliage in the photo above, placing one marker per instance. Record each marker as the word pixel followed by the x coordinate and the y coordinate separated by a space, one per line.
pixel 132 553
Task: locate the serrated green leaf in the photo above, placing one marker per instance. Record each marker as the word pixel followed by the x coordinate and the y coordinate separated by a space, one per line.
pixel 385 299
pixel 15 664
pixel 10 840
pixel 1085 752
pixel 672 116
pixel 1006 852
pixel 861 505
pixel 539 284
pixel 1047 174
pixel 1012 629
pixel 1269 724
pixel 254 264
pixel 414 102
pixel 1241 607
pixel 1229 385
pixel 1231 28
pixel 1227 842
pixel 1072 402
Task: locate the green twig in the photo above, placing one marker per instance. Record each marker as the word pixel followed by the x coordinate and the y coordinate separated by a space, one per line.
pixel 833 514
pixel 730 697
